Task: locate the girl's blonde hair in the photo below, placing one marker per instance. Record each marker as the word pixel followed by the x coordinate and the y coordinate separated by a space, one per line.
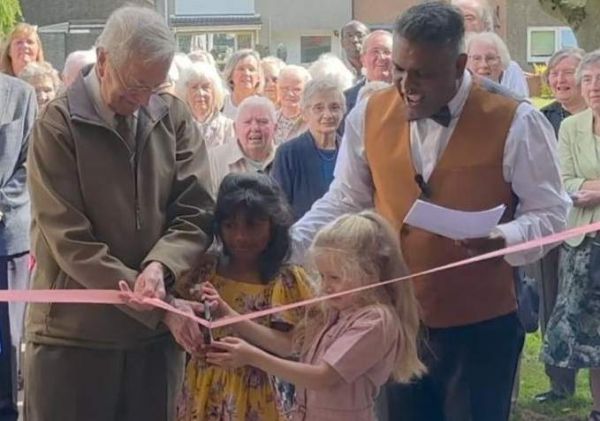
pixel 367 250
pixel 21 30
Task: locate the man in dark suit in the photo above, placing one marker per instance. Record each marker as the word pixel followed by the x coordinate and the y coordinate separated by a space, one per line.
pixel 376 58
pixel 17 115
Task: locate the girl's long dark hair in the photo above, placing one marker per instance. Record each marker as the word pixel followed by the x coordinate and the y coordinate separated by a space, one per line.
pixel 257 196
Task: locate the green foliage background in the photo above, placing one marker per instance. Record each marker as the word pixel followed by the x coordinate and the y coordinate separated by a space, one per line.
pixel 10 13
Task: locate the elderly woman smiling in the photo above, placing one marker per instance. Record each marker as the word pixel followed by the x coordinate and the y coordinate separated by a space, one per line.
pixel 23 46
pixel 200 86
pixel 304 165
pixel 488 57
pixel 290 85
pixel 271 67
pixel 254 149
pixel 573 332
pixel 244 77
pixel 560 77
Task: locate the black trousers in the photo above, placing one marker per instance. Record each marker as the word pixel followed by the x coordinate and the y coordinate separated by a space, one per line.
pixel 13 272
pixel 471 372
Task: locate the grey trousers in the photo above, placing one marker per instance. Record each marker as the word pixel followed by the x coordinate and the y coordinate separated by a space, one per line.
pixel 74 384
pixel 14 274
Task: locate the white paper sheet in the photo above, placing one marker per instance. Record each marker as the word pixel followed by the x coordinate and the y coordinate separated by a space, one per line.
pixel 454 224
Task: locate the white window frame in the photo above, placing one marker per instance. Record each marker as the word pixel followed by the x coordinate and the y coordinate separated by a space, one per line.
pixel 557 41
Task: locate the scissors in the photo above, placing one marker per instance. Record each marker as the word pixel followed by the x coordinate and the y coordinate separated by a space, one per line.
pixel 207 332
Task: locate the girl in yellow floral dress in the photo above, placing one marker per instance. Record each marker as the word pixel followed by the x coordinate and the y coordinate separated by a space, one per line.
pixel 252 222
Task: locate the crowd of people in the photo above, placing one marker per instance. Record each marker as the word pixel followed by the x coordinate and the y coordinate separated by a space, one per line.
pixel 226 191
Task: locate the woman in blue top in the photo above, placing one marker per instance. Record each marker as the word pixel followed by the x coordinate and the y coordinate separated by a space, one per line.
pixel 304 166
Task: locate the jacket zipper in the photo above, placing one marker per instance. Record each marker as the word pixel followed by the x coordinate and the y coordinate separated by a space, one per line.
pixel 138 212
pixel 132 164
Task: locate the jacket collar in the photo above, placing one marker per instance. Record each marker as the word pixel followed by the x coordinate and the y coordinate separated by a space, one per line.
pixel 585 122
pixel 81 105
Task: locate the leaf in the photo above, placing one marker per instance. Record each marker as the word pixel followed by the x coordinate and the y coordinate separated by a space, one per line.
pixel 10 13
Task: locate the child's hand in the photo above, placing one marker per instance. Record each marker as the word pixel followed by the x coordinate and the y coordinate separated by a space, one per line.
pixel 207 294
pixel 231 352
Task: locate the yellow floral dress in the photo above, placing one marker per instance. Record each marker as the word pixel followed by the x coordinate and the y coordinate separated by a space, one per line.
pixel 212 393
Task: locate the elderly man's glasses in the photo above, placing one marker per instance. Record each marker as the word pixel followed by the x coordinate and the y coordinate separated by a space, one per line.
pixel 138 90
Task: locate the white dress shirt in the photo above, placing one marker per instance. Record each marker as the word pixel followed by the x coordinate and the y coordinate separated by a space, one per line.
pixel 513 78
pixel 530 165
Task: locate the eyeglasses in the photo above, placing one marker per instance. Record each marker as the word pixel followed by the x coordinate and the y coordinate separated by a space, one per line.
pixel 138 90
pixel 490 60
pixel 333 108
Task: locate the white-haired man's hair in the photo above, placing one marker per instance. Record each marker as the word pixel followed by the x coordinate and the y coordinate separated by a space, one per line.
pixel 375 34
pixel 329 66
pixel 137 32
pixel 75 62
pixel 490 38
pixel 195 72
pixel 257 101
pixel 484 11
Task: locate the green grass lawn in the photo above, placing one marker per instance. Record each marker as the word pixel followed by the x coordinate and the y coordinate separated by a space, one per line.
pixel 534 381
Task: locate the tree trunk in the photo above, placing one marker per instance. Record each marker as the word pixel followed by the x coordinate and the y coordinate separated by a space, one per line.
pixel 581 15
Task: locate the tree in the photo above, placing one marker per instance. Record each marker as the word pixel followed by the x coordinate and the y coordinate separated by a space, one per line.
pixel 581 15
pixel 10 12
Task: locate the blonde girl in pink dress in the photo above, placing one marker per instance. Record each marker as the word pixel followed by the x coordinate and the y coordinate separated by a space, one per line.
pixel 353 344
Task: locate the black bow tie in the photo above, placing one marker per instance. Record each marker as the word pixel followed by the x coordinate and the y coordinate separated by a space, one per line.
pixel 443 116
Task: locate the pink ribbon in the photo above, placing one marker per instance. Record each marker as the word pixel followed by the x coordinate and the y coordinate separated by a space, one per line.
pixel 99 296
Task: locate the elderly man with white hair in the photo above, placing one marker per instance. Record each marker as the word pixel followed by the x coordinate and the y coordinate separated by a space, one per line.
pixel 479 17
pixel 255 148
pixel 376 58
pixel 76 61
pixel 119 179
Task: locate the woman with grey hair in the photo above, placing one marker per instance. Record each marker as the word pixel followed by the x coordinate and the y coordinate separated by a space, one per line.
pixel 200 86
pixel 44 79
pixel 489 58
pixel 560 77
pixel 272 67
pixel 244 77
pixel 572 337
pixel 477 14
pixel 290 85
pixel 202 56
pixel 304 166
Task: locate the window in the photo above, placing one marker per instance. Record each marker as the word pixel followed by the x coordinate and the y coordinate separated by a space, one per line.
pixel 542 42
pixel 311 47
pixel 184 43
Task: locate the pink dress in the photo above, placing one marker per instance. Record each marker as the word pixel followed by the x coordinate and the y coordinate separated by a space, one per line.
pixel 361 346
